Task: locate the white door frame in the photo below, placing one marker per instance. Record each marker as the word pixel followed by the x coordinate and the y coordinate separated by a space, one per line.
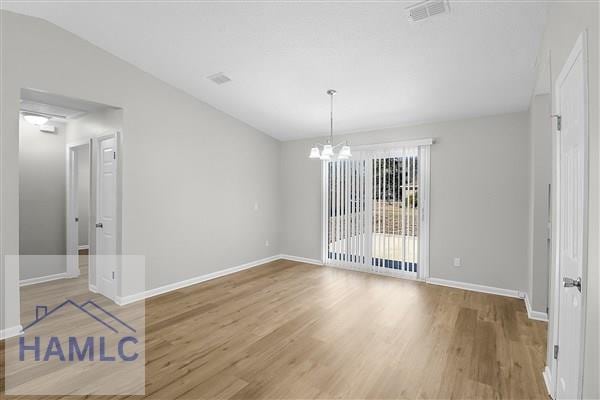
pixel 424 205
pixel 94 194
pixel 579 47
pixel 424 149
pixel 72 206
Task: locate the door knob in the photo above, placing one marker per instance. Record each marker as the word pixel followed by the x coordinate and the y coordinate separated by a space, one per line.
pixel 568 282
pixel 99 225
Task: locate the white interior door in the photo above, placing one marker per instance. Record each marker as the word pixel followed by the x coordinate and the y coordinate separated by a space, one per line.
pixel 571 99
pixel 106 209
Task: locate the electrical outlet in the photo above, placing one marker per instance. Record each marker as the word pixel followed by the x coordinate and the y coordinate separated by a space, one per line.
pixel 457 262
pixel 256 206
pixel 267 243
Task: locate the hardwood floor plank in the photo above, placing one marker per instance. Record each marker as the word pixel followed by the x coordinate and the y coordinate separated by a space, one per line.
pixel 288 330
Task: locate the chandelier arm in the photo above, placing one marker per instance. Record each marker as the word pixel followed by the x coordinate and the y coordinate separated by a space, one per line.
pixel 333 146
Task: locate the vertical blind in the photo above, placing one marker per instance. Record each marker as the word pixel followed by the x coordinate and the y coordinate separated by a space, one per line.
pixel 373 211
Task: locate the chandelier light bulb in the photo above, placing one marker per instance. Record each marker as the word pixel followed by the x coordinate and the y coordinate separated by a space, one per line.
pixel 345 152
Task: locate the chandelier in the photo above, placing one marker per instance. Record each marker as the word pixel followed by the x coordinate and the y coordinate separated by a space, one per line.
pixel 327 151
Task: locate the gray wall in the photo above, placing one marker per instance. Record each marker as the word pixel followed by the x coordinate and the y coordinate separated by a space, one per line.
pixel 42 191
pixel 566 20
pixel 540 130
pixel 83 194
pixel 479 197
pixel 205 225
pixel 95 124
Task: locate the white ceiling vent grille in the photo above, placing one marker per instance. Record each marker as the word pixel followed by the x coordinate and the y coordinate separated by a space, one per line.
pixel 219 78
pixel 426 9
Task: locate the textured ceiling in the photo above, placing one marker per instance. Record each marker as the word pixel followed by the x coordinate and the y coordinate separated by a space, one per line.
pixel 283 56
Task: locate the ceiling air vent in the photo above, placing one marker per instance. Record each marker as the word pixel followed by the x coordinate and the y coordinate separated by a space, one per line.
pixel 426 9
pixel 219 78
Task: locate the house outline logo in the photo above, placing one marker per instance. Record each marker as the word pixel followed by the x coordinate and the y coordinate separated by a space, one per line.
pixel 70 348
pixel 80 308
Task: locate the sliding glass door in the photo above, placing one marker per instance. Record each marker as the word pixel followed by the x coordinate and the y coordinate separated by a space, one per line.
pixel 376 211
pixel 348 227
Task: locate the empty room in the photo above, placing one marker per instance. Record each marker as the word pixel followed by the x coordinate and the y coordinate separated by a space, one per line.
pixel 299 199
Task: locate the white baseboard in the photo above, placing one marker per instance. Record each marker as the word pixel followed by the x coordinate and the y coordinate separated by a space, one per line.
pixel 123 300
pixel 192 281
pixel 301 259
pixel 10 332
pixel 474 287
pixel 93 289
pixel 434 281
pixel 548 381
pixel 84 247
pixel 537 315
pixel 42 279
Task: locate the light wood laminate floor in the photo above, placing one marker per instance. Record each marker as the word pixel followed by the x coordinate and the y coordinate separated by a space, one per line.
pixel 288 330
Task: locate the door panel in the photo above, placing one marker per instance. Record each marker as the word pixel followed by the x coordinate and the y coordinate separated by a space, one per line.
pixel 396 212
pixel 106 262
pixel 572 205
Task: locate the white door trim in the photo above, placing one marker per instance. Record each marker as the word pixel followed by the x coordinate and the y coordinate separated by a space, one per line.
pixel 395 145
pixel 424 204
pixel 580 47
pixel 424 151
pixel 72 184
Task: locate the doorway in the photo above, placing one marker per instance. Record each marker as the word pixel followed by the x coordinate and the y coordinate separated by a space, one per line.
pixel 62 179
pixel 376 210
pixel 92 216
pixel 78 207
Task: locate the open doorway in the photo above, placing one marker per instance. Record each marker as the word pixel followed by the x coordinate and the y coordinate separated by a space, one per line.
pixel 78 207
pixel 83 199
pixel 69 203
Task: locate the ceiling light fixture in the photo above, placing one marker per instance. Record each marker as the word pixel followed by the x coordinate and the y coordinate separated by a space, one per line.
pixel 326 152
pixel 35 119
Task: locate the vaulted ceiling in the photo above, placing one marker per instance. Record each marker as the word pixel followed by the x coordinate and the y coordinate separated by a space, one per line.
pixel 282 57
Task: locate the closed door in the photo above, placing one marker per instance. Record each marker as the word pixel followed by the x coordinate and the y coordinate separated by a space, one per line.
pixel 106 244
pixel 572 170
